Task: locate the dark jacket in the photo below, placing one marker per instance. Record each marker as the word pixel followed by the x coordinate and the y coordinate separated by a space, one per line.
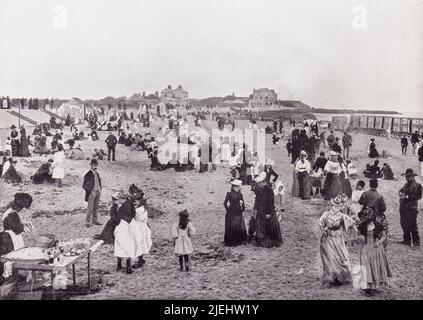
pixel 374 200
pixel 414 192
pixel 320 164
pixel 420 154
pixel 88 184
pixel 111 140
pixel 271 173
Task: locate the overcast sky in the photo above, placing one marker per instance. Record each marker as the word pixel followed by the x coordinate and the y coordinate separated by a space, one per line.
pixel 305 50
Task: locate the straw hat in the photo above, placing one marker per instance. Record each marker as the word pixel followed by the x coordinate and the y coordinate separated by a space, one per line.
pixel 338 201
pixel 236 182
pixel 303 153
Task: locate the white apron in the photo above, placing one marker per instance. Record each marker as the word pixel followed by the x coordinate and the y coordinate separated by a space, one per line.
pixel 141 219
pixel 127 240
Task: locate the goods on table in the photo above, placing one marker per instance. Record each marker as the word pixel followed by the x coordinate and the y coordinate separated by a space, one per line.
pixel 74 247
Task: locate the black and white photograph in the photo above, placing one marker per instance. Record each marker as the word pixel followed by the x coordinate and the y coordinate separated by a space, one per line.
pixel 195 150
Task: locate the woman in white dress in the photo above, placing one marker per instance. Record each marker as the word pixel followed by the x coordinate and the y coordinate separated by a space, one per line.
pixel 58 168
pixel 141 219
pixel 127 236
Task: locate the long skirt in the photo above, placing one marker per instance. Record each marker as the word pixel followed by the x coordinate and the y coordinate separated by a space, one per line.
pixel 375 269
pixel 108 233
pixel 268 231
pixel 304 185
pixel 332 186
pixel 335 259
pixel 346 187
pixel 295 192
pixel 127 239
pixel 12 176
pixel 235 230
pixel 15 148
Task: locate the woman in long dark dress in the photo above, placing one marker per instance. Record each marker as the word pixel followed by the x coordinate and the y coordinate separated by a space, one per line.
pixel 108 233
pixel 11 175
pixel 268 232
pixel 24 147
pixel 332 186
pixel 373 153
pixel 235 230
pixel 14 141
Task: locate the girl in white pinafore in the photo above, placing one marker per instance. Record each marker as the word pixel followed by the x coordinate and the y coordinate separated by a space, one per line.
pixel 58 169
pixel 182 231
pixel 145 239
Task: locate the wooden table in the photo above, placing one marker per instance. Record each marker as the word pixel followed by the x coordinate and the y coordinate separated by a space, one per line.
pixel 57 266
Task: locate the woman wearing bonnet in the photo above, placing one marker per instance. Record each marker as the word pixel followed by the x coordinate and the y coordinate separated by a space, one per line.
pixel 333 251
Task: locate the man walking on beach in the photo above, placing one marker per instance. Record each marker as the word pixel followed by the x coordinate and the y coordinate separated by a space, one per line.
pixel 409 195
pixel 92 187
pixel 404 145
pixel 415 140
pixel 111 142
pixel 347 144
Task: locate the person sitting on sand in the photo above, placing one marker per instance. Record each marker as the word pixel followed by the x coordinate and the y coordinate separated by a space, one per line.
pixel 387 172
pixel 351 170
pixel 99 154
pixel 373 171
pixel 372 151
pixel 10 174
pixel 43 173
pixel 76 153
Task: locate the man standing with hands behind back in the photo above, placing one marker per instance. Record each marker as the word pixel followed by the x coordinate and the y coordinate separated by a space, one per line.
pixel 92 187
pixel 409 195
pixel 111 142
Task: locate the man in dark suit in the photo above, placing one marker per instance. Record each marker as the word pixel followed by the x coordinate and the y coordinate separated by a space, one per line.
pixel 111 142
pixel 92 187
pixel 373 199
pixel 410 194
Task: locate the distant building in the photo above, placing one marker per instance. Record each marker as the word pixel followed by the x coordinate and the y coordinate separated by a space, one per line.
pixel 263 98
pixel 175 97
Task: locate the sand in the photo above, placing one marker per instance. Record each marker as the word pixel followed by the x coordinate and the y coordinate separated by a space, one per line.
pixel 292 271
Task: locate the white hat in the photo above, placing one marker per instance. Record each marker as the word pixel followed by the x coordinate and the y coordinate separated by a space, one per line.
pixel 236 182
pixel 303 153
pixel 269 162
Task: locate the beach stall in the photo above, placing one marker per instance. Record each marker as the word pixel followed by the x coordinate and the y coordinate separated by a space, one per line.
pixel 340 122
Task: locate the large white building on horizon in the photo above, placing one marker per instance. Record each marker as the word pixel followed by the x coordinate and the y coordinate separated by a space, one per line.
pixel 177 97
pixel 263 97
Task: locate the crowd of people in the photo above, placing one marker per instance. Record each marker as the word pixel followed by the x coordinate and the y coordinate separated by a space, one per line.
pixel 354 215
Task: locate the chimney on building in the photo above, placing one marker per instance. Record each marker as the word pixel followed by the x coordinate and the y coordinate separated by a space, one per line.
pixel 169 87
